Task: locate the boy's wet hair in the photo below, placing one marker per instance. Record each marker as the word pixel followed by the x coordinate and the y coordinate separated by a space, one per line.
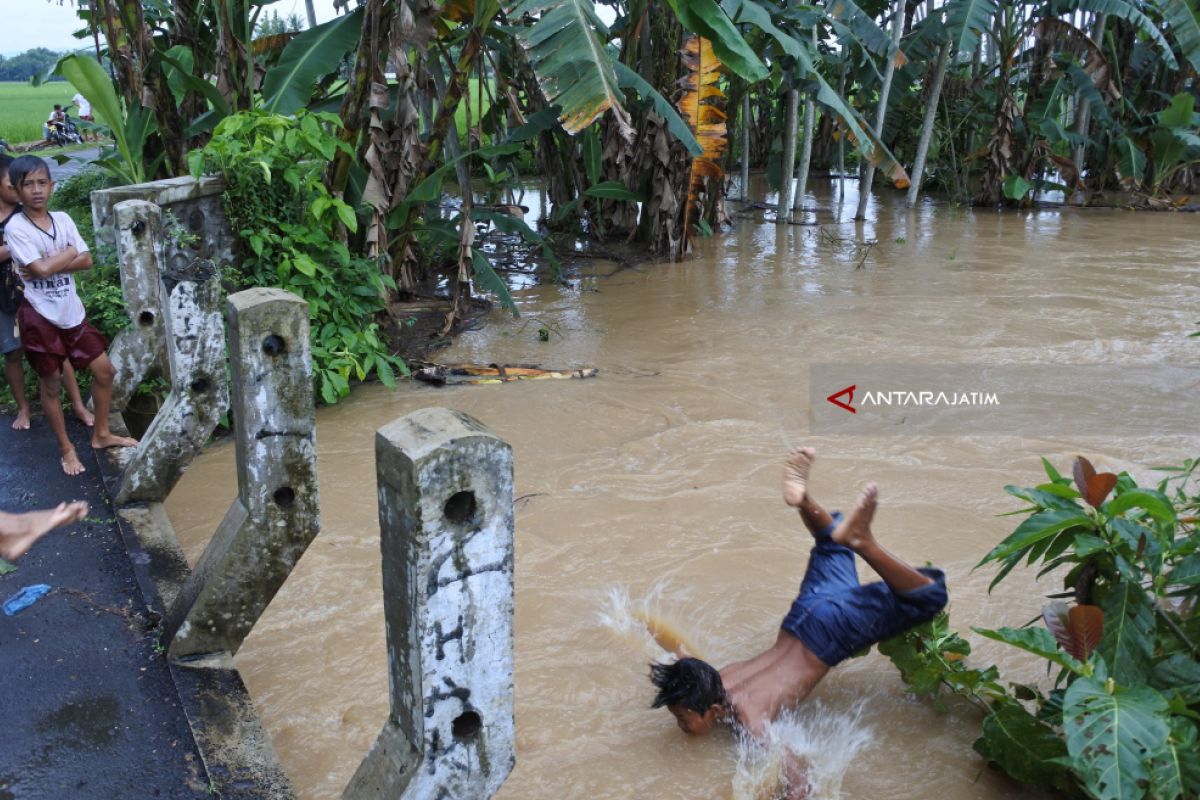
pixel 689 682
pixel 25 166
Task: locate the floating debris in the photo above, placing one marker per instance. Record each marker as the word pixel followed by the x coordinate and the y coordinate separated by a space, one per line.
pixel 451 374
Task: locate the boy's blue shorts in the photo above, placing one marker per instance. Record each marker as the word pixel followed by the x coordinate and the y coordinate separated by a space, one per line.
pixel 836 616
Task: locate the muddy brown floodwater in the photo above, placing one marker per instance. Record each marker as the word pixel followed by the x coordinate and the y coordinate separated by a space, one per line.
pixel 659 482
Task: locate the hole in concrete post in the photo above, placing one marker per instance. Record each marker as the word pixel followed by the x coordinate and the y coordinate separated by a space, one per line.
pixel 200 385
pixel 138 227
pixel 466 726
pixel 274 345
pixel 460 508
pixel 284 496
pixel 146 319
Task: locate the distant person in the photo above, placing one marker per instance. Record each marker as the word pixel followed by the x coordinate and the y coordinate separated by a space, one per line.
pixel 85 114
pixel 46 248
pixel 18 532
pixel 11 294
pixel 57 121
pixel 833 618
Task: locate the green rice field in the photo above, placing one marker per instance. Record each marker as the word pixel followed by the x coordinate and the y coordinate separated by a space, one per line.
pixel 23 108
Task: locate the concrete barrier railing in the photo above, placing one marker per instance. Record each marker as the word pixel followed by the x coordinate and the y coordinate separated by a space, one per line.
pixel 445 508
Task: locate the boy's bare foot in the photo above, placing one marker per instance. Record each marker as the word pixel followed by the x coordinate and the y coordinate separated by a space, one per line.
pixel 72 465
pixel 855 530
pixel 795 475
pixel 21 423
pixel 110 439
pixel 37 523
pixel 84 415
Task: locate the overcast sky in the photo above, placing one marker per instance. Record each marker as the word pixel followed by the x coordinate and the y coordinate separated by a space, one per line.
pixel 50 23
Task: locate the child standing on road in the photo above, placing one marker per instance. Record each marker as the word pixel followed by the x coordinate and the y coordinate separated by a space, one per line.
pixel 11 294
pixel 46 248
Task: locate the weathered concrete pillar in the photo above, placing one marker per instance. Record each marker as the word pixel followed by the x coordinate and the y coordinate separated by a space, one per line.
pixel 446 514
pixel 277 511
pixel 143 344
pixel 199 389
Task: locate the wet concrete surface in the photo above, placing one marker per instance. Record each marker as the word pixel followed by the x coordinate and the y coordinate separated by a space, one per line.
pixel 87 702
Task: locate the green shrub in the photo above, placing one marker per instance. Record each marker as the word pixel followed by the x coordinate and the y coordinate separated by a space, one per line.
pixel 290 228
pixel 1120 719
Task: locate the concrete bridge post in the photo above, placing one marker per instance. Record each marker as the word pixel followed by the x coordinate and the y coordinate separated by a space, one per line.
pixel 143 344
pixel 191 315
pixel 446 517
pixel 277 511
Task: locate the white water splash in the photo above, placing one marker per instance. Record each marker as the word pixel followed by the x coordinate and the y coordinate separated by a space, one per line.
pixel 826 741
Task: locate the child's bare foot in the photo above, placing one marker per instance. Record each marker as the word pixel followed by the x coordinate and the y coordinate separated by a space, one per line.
pixel 36 524
pixel 21 423
pixel 855 530
pixel 795 475
pixel 84 415
pixel 110 439
pixel 71 464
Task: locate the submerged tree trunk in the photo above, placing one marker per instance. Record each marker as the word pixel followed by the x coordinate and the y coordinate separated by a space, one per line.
pixel 864 189
pixel 931 107
pixel 787 182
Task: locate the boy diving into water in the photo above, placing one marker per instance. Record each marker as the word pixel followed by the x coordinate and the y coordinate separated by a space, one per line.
pixel 833 617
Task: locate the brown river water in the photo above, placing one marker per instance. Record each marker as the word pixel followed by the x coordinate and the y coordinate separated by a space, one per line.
pixel 657 484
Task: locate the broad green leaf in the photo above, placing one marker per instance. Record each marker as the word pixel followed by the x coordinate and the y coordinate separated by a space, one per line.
pixel 1051 472
pixel 573 69
pixel 288 86
pixel 1131 161
pixel 873 38
pixel 1186 572
pixel 592 160
pixel 1038 641
pixel 384 371
pixel 1155 503
pixel 967 21
pixel 535 123
pixel 1111 737
pixel 1039 526
pixel 90 79
pixel 1179 673
pixel 1022 745
pixel 707 19
pixel 487 279
pixel 1128 641
pixel 628 79
pixel 613 190
pixel 1179 113
pixel 1087 91
pixel 182 55
pixel 1016 187
pixel 1180 16
pixel 1175 770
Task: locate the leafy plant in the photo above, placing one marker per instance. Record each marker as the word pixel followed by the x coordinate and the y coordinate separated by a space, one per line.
pixel 292 233
pixel 1120 719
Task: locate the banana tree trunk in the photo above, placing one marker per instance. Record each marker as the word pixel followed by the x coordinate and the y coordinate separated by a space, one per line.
pixel 931 107
pixel 864 189
pixel 787 183
pixel 810 113
pixel 746 122
pixel 312 13
pixel 1083 113
pixel 841 144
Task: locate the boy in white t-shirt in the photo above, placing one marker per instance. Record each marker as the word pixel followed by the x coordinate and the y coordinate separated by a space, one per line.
pixel 85 113
pixel 46 248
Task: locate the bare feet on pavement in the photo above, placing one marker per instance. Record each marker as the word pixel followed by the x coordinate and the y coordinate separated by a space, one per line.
pixel 795 475
pixel 31 526
pixel 855 530
pixel 72 465
pixel 21 423
pixel 110 439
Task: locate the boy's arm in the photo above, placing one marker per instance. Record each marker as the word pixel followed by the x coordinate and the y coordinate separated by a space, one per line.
pixel 83 258
pixel 53 265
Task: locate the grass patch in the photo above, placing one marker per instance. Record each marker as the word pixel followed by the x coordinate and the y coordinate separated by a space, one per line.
pixel 23 108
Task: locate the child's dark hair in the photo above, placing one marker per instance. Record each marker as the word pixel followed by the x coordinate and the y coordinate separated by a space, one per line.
pixel 5 162
pixel 689 682
pixel 24 166
pixel 58 106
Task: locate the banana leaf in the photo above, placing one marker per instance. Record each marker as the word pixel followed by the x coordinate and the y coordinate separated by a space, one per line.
pixel 967 20
pixel 570 61
pixel 706 120
pixel 1180 15
pixel 707 19
pixel 90 79
pixel 288 86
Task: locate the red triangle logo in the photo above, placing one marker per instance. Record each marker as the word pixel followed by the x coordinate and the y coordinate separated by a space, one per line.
pixel 848 393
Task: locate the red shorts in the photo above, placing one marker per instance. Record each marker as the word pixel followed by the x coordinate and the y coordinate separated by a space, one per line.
pixel 46 345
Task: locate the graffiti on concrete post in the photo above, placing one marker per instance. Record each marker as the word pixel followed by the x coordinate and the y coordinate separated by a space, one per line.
pixel 446 519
